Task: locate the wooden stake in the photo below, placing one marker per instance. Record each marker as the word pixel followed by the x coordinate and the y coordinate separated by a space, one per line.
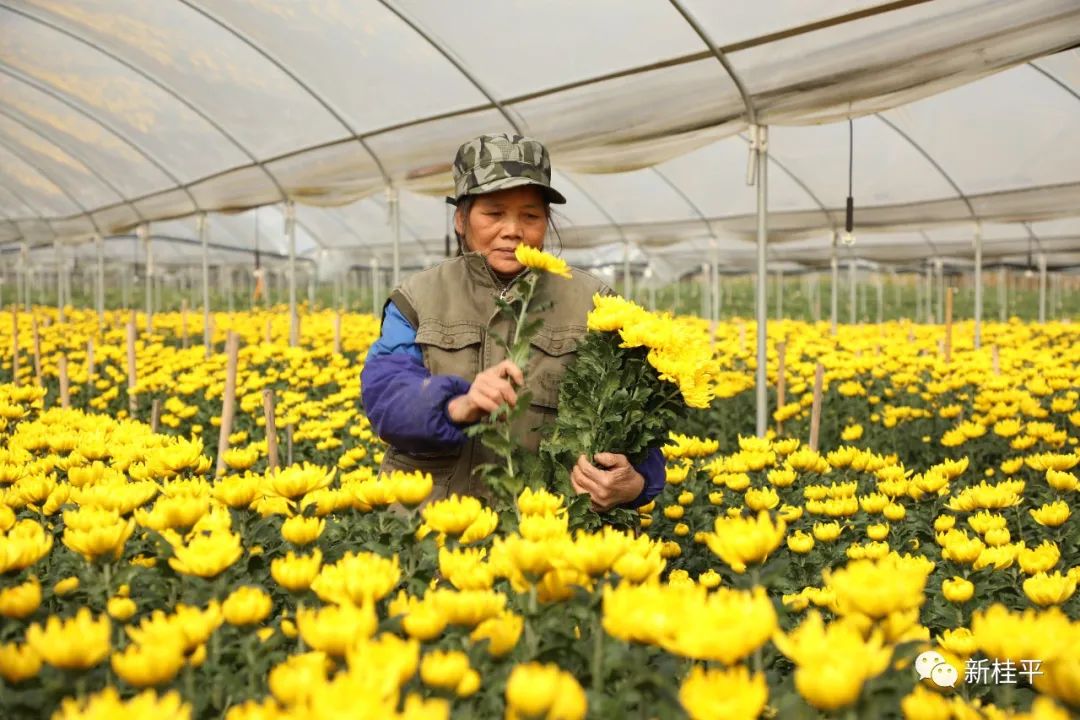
pixel 155 414
pixel 65 395
pixel 37 352
pixel 815 408
pixel 742 336
pixel 183 323
pixel 781 351
pixel 232 345
pixel 132 400
pixel 337 333
pixel 271 427
pixel 948 324
pixel 995 357
pixel 15 346
pixel 266 332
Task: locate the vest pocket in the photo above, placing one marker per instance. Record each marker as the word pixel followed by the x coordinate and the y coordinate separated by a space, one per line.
pixel 450 348
pixel 547 366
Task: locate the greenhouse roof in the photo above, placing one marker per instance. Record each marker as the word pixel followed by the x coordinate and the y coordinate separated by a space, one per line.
pixel 115 113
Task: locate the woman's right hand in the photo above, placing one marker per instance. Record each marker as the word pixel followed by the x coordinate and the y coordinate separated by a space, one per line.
pixel 489 389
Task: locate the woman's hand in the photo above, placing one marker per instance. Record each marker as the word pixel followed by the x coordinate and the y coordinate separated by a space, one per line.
pixel 616 483
pixel 489 389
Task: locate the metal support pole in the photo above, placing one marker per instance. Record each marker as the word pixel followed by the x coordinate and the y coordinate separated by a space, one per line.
pixel 779 294
pixel 978 286
pixel 719 290
pixel 376 301
pixel 203 224
pixel 290 235
pixel 761 136
pixel 834 291
pixel 125 286
pixel 939 265
pixel 1003 293
pixel 852 290
pixel 706 288
pixel 929 294
pixel 143 233
pixel 59 280
pixel 879 282
pixel 395 219
pixel 20 276
pixel 228 278
pixel 99 278
pixel 715 296
pixel 1042 287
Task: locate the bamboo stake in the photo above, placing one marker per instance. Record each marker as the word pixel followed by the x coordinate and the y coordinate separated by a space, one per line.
pixel 90 361
pixel 266 332
pixel 210 335
pixel 37 352
pixel 229 403
pixel 815 408
pixel 781 383
pixel 183 323
pixel 288 444
pixel 15 346
pixel 948 324
pixel 742 336
pixel 132 400
pixel 65 395
pixel 995 357
pixel 271 428
pixel 337 333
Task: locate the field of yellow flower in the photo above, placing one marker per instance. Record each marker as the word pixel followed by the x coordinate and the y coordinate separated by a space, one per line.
pixel 767 580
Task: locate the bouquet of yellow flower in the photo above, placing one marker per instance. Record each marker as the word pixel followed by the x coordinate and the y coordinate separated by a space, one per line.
pixel 635 375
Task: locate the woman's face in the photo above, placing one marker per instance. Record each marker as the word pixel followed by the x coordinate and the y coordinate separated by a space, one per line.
pixel 499 221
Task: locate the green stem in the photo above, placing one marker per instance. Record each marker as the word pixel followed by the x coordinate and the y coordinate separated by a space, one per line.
pixel 249 656
pixel 189 683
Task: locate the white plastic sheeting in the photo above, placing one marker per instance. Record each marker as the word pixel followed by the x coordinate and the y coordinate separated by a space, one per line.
pixel 115 112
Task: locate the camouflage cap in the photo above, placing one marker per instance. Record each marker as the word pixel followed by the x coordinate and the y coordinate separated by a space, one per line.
pixel 501 161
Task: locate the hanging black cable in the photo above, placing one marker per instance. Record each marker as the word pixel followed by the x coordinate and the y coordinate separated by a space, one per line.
pixel 849 218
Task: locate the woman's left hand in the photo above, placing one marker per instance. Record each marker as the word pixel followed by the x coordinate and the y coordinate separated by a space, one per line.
pixel 613 484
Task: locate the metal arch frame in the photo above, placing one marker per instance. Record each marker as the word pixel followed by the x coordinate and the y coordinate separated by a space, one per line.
pixel 36 168
pixel 751 112
pixel 714 279
pixel 30 207
pixel 971 211
pixel 93 117
pixel 74 156
pixel 160 85
pixel 1054 79
pixel 414 25
pixel 322 101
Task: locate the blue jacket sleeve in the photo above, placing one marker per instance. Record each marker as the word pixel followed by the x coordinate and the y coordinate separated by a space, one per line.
pixel 654 469
pixel 405 403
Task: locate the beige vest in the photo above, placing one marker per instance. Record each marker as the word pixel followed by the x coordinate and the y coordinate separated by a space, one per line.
pixel 452 306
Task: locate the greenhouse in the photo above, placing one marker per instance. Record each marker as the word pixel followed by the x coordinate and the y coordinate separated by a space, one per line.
pixel 827 262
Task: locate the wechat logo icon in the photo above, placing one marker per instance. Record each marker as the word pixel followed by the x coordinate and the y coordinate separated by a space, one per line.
pixel 931 664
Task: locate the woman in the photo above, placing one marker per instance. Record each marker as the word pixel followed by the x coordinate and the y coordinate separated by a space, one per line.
pixel 437 367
